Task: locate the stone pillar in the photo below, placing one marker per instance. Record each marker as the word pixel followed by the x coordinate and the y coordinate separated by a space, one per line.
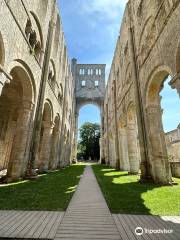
pixel 45 147
pixel 17 158
pixel 159 164
pixel 76 134
pixel 54 149
pixel 123 149
pixel 133 149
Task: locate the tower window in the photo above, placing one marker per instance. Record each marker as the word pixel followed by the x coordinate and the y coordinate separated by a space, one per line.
pixel 83 83
pixel 98 72
pixel 96 83
pixel 90 71
pixel 81 71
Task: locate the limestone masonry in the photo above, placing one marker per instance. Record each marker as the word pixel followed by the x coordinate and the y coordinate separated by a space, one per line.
pixel 41 92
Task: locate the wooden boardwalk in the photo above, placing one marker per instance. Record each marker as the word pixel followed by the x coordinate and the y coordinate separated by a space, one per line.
pixel 29 224
pixel 87 218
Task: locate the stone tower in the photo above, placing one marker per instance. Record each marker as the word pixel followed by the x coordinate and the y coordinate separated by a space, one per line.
pixel 89 87
pixel 89 84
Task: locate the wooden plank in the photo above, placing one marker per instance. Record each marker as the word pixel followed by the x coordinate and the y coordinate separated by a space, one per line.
pixel 9 230
pixel 21 230
pixel 10 221
pixel 48 228
pixel 30 232
pixel 159 224
pixel 137 221
pixel 55 226
pixel 126 228
pixel 43 225
pixel 120 228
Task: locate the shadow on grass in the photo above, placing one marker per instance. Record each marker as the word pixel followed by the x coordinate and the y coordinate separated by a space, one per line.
pixel 51 191
pixel 124 194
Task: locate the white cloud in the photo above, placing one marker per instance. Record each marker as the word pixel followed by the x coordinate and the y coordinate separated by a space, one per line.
pixel 110 8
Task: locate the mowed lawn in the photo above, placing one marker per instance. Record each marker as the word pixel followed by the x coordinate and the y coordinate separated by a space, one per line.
pixel 124 194
pixel 52 191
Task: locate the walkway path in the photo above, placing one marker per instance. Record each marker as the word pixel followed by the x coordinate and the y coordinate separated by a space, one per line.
pixel 88 216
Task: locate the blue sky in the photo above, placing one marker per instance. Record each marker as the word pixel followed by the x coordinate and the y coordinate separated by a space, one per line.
pixel 91 29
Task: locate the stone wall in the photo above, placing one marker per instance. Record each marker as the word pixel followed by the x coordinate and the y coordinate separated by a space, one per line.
pixel 147 52
pixel 36 88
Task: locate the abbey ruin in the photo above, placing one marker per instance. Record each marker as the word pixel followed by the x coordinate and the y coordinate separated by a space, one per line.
pixel 41 91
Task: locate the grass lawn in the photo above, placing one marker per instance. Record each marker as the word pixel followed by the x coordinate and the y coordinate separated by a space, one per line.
pixel 51 191
pixel 125 195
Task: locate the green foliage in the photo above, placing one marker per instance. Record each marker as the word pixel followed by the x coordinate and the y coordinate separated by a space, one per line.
pixel 51 191
pixel 88 145
pixel 124 194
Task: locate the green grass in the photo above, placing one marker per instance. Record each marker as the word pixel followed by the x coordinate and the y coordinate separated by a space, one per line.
pixel 51 191
pixel 124 194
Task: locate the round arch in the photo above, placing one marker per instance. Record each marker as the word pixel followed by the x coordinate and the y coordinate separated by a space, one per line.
pixel 158 156
pixel 26 77
pixel 39 28
pixel 155 84
pixel 48 112
pixel 85 103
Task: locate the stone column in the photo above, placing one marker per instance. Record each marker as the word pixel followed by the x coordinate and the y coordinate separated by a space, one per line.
pixel 17 158
pixel 133 149
pixel 159 164
pixel 45 147
pixel 123 149
pixel 76 134
pixel 54 150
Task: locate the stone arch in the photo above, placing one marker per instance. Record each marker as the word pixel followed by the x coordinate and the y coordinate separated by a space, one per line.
pixel 39 28
pixel 132 136
pixel 158 157
pixel 16 109
pixel 52 74
pixel 84 103
pixel 33 32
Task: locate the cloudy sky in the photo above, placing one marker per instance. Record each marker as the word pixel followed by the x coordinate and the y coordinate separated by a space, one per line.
pixel 91 29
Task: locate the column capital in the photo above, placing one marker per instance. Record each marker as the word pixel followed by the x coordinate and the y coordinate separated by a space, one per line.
pixel 49 125
pixel 27 104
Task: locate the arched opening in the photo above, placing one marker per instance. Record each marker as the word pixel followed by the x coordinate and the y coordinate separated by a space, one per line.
pixel 53 162
pixel 90 115
pixel 158 155
pixel 133 142
pixel 45 138
pixel 170 104
pixel 123 144
pixel 52 74
pixel 16 105
pixel 34 36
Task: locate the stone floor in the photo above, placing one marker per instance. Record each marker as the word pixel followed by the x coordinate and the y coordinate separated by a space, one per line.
pixel 87 217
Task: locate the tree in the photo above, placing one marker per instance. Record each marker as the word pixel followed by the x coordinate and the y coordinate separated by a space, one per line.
pixel 88 145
